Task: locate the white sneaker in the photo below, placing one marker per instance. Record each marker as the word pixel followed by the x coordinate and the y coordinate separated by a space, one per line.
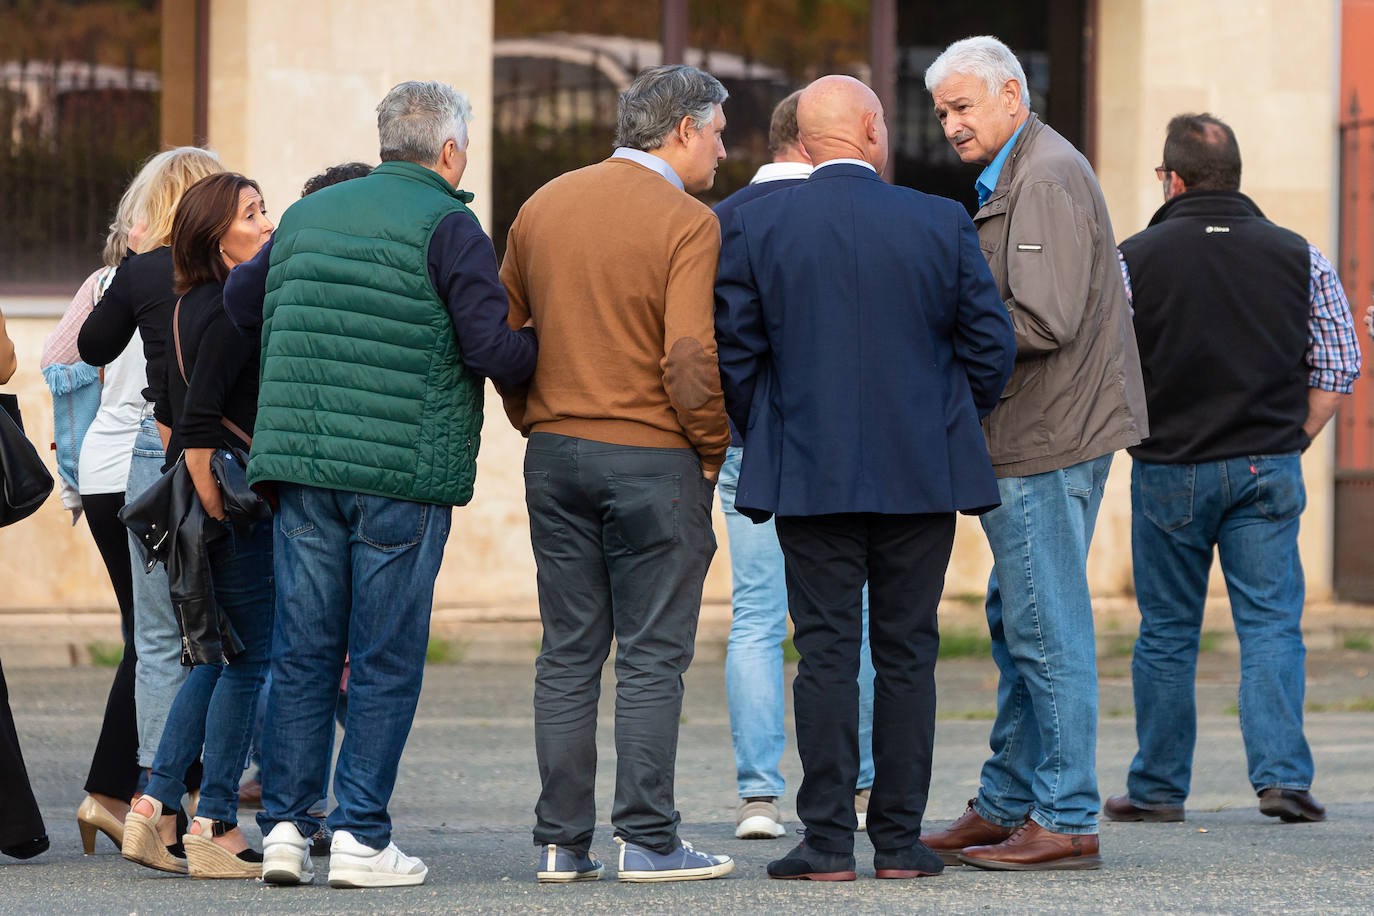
pixel 861 807
pixel 351 864
pixel 758 819
pixel 286 856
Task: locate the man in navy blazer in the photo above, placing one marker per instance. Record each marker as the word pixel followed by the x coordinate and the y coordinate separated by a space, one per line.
pixel 861 338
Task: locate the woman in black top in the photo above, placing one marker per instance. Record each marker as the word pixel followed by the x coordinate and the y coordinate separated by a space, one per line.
pixel 211 394
pixel 139 301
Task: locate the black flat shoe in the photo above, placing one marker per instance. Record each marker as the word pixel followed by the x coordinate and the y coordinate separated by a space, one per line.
pixel 918 861
pixel 1291 805
pixel 807 864
pixel 27 849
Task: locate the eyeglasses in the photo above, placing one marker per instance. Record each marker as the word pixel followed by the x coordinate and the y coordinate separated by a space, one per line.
pixel 1162 171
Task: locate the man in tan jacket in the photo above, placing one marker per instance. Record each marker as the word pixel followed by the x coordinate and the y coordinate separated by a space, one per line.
pixel 615 264
pixel 1075 397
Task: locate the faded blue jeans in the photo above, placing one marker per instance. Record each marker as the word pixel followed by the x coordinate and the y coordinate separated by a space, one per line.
pixel 1249 509
pixel 216 703
pixel 355 576
pixel 1040 615
pixel 753 660
pixel 158 674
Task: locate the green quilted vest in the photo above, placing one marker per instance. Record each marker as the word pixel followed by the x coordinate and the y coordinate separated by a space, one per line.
pixel 363 387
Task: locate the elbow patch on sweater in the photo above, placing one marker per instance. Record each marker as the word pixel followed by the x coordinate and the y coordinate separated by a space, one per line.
pixel 690 373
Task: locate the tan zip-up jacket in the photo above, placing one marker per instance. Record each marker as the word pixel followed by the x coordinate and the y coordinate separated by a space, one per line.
pixel 1076 392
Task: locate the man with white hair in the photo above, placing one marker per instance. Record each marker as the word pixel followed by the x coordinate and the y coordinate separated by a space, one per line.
pixel 615 264
pixel 1075 397
pixel 381 310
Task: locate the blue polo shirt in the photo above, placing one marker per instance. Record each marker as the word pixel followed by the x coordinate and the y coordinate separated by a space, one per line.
pixel 987 181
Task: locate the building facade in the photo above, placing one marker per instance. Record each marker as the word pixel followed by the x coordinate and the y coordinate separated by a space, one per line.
pixel 283 90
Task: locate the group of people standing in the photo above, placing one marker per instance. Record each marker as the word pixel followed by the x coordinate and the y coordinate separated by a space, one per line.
pixel 884 361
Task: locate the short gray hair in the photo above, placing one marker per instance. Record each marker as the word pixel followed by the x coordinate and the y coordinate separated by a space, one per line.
pixel 658 100
pixel 984 57
pixel 416 119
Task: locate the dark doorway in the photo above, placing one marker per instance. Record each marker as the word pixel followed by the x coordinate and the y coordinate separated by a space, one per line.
pixel 1047 36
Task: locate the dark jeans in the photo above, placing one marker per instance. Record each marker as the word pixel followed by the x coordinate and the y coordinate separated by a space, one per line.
pixel 19 817
pixel 622 539
pixel 114 765
pixel 828 557
pixel 215 704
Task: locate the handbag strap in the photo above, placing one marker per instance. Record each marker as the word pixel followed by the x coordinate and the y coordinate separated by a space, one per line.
pixel 181 366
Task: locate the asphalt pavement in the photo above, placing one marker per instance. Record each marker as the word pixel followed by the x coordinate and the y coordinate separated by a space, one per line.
pixel 468 784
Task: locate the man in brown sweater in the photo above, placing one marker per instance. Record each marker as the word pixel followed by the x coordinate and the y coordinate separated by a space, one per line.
pixel 615 265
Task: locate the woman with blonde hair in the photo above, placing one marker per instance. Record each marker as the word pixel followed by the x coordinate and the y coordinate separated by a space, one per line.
pixel 96 418
pixel 126 332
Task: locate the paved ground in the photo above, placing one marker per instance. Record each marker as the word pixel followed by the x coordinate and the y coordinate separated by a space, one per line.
pixel 468 785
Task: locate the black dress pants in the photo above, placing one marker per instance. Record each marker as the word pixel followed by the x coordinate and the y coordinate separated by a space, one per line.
pixel 19 817
pixel 114 765
pixel 828 558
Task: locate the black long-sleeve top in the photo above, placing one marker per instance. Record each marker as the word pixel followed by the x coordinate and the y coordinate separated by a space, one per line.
pixel 222 366
pixel 462 268
pixel 140 298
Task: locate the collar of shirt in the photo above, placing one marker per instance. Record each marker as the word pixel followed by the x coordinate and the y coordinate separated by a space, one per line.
pixel 867 165
pixel 780 171
pixel 987 181
pixel 651 162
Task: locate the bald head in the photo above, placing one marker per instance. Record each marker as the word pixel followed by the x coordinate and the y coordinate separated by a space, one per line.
pixel 839 117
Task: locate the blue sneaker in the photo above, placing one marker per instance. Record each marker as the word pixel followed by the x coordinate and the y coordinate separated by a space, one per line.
pixel 682 864
pixel 562 866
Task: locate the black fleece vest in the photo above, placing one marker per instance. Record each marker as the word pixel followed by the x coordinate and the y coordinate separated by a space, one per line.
pixel 1221 298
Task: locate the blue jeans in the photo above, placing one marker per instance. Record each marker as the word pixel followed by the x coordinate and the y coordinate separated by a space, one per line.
pixel 158 674
pixel 1040 615
pixel 355 576
pixel 215 705
pixel 753 661
pixel 1249 509
pixel 255 746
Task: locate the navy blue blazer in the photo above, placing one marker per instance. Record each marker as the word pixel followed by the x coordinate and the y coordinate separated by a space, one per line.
pixel 724 210
pixel 861 338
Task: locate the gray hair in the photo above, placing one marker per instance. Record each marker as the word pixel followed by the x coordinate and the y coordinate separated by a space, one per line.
pixel 416 119
pixel 984 57
pixel 658 100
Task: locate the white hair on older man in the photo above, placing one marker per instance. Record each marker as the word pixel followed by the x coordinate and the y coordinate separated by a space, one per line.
pixel 416 119
pixel 984 57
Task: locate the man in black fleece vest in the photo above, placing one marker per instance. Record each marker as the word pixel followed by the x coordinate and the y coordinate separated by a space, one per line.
pixel 1247 346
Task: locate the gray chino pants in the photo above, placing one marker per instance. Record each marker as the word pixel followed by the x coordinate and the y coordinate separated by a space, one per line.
pixel 622 540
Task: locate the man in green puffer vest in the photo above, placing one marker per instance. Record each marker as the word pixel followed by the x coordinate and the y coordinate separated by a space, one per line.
pixel 380 311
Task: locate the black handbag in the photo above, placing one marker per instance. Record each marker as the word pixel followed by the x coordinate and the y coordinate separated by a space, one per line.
pixel 244 507
pixel 23 476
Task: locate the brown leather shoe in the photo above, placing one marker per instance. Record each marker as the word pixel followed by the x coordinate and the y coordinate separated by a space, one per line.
pixel 250 794
pixel 1033 848
pixel 1291 805
pixel 971 829
pixel 1119 808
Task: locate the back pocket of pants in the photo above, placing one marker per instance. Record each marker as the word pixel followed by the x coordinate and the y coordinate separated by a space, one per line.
pixel 390 524
pixel 643 512
pixel 1281 493
pixel 1167 491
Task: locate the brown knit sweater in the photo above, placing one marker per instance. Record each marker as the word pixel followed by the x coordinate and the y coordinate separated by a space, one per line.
pixel 617 267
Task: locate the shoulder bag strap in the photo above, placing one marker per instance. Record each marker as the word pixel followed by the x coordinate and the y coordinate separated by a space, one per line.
pixel 181 366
